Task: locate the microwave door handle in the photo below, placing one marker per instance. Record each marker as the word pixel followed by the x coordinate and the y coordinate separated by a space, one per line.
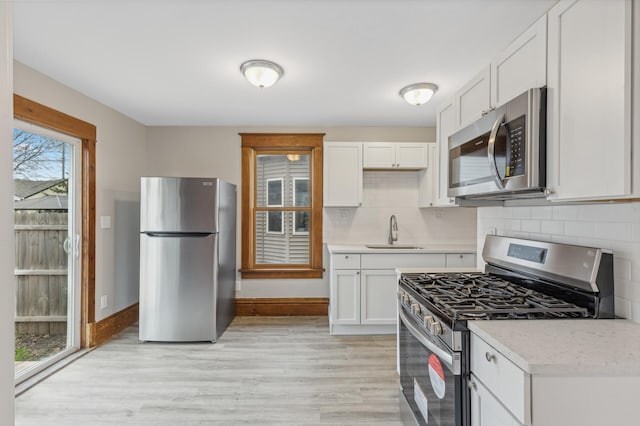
pixel 491 150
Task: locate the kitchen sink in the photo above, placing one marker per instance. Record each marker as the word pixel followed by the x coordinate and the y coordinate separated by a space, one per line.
pixel 393 246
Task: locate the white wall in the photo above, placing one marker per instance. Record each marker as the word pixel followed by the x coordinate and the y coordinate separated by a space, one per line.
pixel 215 151
pixel 7 298
pixel 614 226
pixel 120 157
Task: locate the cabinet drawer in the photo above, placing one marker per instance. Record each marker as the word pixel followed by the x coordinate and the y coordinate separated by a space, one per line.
pixel 345 261
pixel 503 378
pixel 402 260
pixel 461 260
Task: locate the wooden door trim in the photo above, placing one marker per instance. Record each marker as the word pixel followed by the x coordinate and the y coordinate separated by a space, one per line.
pixel 32 112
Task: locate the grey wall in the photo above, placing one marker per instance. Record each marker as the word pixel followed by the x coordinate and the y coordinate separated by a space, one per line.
pixel 120 158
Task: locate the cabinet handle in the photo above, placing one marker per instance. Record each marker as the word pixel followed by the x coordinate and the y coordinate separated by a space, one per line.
pixel 358 273
pixel 472 385
pixel 461 256
pixel 346 257
pixel 489 357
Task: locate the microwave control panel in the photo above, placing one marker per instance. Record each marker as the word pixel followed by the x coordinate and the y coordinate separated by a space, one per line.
pixel 516 148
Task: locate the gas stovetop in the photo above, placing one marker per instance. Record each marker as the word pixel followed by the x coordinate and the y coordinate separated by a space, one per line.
pixel 464 296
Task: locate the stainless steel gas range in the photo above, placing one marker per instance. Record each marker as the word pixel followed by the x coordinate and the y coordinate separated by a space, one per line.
pixel 523 279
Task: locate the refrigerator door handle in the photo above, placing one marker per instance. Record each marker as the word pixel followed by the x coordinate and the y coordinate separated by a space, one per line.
pixel 178 234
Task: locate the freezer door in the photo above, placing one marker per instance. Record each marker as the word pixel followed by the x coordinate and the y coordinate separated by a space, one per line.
pixel 177 288
pixel 170 204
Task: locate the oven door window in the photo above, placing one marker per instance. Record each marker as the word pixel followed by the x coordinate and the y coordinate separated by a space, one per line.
pixel 430 387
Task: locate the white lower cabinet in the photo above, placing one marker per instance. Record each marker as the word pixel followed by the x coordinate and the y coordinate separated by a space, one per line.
pixel 505 381
pixel 363 287
pixel 486 410
pixel 503 394
pixel 345 291
pixel 377 289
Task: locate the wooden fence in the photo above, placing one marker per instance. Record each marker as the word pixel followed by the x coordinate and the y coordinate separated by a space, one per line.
pixel 41 272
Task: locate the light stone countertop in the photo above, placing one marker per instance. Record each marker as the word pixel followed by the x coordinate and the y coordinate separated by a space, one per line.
pixel 424 248
pixel 566 347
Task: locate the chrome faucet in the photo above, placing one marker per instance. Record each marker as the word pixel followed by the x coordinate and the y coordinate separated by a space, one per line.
pixel 393 229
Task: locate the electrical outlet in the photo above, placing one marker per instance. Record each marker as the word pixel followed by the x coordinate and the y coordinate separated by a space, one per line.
pixel 238 285
pixel 344 214
pixel 104 301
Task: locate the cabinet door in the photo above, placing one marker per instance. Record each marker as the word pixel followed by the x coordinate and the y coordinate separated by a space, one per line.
pixel 473 99
pixel 486 410
pixel 378 297
pixel 342 174
pixel 345 296
pixel 521 66
pixel 445 126
pixel 412 155
pixel 589 95
pixel 428 180
pixel 379 155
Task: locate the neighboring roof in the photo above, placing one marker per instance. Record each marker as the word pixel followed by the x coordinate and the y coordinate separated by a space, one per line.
pixel 24 188
pixel 49 202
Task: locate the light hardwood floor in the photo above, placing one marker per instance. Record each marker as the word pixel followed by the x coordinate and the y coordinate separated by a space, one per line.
pixel 263 371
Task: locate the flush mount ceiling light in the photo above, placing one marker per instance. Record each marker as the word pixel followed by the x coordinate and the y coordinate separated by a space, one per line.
pixel 419 93
pixel 261 73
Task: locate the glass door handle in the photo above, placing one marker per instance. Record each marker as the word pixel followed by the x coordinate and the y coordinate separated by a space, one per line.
pixel 77 246
pixel 66 245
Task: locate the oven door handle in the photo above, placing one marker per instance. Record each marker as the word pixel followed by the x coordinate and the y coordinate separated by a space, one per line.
pixel 491 150
pixel 447 358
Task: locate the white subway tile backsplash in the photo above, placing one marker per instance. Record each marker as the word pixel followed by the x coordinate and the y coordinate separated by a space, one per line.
pixel 541 213
pixel 552 227
pixel 579 229
pixel 595 212
pixel 564 212
pixel 622 268
pixel 614 231
pixel 530 226
pixel 512 225
pixel 520 212
pixel 626 212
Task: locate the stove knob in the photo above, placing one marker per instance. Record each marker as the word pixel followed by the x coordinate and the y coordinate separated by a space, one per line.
pixel 435 328
pixel 415 309
pixel 428 319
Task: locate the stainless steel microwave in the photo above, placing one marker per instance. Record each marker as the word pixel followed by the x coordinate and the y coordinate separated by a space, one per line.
pixel 502 155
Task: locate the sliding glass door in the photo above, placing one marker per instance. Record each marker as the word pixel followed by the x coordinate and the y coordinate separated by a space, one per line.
pixel 47 224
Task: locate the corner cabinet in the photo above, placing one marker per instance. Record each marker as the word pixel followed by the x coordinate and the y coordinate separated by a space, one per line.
pixel 395 155
pixel 342 174
pixel 590 80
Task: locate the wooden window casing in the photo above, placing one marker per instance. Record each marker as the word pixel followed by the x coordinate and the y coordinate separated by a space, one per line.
pixel 254 144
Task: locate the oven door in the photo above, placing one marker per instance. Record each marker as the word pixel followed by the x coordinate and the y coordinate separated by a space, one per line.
pixel 430 376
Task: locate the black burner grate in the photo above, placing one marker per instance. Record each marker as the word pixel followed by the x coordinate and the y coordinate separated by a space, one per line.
pixel 464 296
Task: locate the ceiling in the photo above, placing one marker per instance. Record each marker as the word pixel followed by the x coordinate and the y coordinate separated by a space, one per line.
pixel 176 62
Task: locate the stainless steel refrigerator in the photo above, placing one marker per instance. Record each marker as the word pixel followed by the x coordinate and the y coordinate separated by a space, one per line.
pixel 187 258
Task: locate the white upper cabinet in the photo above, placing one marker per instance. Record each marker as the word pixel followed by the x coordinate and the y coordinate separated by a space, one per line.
pixel 342 186
pixel 589 100
pixel 521 66
pixel 395 155
pixel 445 125
pixel 428 180
pixel 473 100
